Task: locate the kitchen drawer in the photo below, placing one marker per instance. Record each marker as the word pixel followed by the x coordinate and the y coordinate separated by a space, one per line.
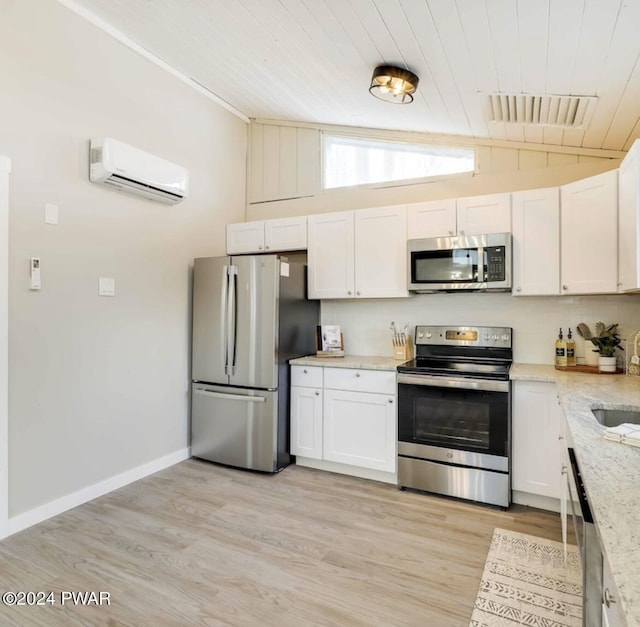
pixel 357 380
pixel 306 376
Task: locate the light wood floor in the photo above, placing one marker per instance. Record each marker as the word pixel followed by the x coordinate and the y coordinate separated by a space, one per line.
pixel 200 544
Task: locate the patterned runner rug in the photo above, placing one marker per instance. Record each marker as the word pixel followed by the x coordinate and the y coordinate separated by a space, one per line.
pixel 526 582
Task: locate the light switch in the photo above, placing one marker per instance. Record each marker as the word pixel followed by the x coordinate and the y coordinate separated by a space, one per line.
pixel 50 213
pixel 106 287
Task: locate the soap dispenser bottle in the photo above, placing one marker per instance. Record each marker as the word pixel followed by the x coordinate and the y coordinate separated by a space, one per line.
pixel 571 350
pixel 561 351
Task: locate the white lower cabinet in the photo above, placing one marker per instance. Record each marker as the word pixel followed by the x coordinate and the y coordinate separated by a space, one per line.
pixel 359 429
pixel 306 422
pixel 536 447
pixel 344 415
pixel 306 411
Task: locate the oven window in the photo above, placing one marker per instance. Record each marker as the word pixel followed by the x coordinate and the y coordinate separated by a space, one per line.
pixel 456 423
pixel 445 266
pixel 469 420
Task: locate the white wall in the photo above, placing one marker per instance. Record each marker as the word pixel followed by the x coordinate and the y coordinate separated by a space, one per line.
pixel 99 386
pixel 535 320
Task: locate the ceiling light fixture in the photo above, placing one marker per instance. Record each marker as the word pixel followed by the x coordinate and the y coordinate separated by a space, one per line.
pixel 393 84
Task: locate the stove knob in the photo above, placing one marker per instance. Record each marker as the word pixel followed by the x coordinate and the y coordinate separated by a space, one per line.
pixel 505 337
pixel 495 336
pixel 428 335
pixel 487 336
pixel 421 334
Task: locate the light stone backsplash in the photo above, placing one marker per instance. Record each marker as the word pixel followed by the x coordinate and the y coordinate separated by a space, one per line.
pixel 535 320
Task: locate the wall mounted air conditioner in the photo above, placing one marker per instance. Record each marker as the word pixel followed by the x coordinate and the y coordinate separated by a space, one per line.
pixel 128 169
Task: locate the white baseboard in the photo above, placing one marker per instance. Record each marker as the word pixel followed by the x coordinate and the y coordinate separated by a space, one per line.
pixel 346 469
pixel 535 500
pixel 53 508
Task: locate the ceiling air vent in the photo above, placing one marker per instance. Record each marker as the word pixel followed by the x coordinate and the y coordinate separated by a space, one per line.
pixel 566 111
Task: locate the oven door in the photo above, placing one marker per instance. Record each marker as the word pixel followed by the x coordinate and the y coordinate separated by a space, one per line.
pixel 464 421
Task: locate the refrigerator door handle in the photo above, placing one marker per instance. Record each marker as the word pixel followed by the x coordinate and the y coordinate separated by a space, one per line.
pixel 223 317
pixel 232 397
pixel 231 321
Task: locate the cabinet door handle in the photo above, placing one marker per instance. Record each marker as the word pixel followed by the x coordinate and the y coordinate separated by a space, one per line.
pixel 518 289
pixel 564 469
pixel 357 293
pixel 259 247
pixel 391 400
pixel 450 232
pixel 266 247
pixel 317 393
pixel 607 597
pixel 357 374
pixel 565 288
pixel 305 371
pixel 349 292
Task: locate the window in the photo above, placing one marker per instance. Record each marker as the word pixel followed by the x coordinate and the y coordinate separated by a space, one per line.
pixel 352 161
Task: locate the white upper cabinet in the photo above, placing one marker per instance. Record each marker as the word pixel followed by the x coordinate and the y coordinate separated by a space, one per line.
pixel 267 236
pixel 330 256
pixel 285 234
pixel 245 237
pixel 629 221
pixel 381 252
pixel 434 218
pixel 536 242
pixel 589 235
pixel 477 215
pixel 474 215
pixel 358 254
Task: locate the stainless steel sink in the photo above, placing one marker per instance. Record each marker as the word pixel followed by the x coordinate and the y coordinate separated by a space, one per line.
pixel 615 417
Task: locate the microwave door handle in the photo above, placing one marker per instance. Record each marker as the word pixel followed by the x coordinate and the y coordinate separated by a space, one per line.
pixel 482 275
pixel 223 318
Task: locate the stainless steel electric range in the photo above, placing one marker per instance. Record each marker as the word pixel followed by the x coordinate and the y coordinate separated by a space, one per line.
pixel 454 413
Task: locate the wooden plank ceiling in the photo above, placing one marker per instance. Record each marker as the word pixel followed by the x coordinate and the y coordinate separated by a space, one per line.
pixel 311 60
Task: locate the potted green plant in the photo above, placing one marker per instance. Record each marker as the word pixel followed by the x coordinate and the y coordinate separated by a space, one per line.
pixel 606 339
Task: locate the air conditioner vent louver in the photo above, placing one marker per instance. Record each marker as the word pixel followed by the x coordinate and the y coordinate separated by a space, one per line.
pixel 96 155
pixel 544 110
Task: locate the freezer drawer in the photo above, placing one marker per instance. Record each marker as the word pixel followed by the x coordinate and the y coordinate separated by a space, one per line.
pixel 235 426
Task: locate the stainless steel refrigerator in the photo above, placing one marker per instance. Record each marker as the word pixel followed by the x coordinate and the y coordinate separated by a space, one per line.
pixel 250 316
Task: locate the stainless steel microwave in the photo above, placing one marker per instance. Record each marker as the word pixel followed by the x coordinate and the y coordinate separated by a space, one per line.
pixel 462 263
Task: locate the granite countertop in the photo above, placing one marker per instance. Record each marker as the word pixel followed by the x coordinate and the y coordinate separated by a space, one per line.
pixel 610 470
pixel 533 372
pixel 363 362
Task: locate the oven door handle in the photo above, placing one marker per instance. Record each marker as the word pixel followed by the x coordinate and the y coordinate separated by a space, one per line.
pixel 426 380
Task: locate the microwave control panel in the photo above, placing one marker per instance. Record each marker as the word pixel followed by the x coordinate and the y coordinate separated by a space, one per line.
pixel 495 263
